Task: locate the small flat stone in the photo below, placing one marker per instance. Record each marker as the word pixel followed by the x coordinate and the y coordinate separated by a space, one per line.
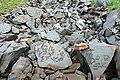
pixel 4 27
pixel 34 12
pixel 31 23
pixel 52 35
pixel 15 30
pixel 20 19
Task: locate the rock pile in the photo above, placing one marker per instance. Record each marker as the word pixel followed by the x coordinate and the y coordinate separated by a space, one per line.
pixel 60 40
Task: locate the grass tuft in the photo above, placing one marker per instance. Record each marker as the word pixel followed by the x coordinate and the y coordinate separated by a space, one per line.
pixel 8 5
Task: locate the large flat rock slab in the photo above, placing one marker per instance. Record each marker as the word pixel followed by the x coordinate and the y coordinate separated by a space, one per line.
pixel 52 55
pixel 99 57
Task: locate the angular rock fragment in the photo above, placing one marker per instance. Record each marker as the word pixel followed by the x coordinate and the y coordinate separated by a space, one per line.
pixel 4 27
pixel 22 64
pixel 31 23
pixel 10 58
pixel 99 57
pixel 52 55
pixel 21 19
pixel 111 39
pixel 53 36
pixel 111 19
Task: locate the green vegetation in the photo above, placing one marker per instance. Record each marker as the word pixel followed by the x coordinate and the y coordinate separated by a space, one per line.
pixel 114 4
pixel 7 5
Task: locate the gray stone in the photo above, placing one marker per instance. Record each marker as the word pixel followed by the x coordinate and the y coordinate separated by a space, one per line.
pixel 108 33
pixel 37 30
pixel 31 23
pixel 22 64
pixel 21 19
pixel 34 11
pixel 111 18
pixel 4 46
pixel 12 56
pixel 98 22
pixel 52 55
pixel 4 27
pixel 15 30
pixel 99 57
pixel 111 39
pixel 16 12
pixel 80 23
pixel 53 36
pixel 101 3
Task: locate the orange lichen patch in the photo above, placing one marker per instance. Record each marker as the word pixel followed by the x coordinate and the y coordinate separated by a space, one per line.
pixel 81 46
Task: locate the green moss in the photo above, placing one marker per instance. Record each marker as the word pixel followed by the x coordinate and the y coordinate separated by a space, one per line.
pixel 7 5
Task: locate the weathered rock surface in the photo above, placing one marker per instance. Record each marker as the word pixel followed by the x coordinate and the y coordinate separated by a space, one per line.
pixel 101 55
pixel 4 27
pixel 51 55
pixel 20 19
pixel 34 12
pixel 53 36
pixel 8 59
